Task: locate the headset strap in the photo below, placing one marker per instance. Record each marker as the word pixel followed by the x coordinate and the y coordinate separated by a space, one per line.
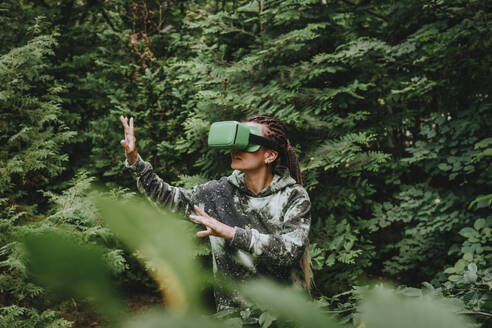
pixel 259 140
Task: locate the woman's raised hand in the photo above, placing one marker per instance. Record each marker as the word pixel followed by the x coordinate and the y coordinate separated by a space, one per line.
pixel 214 227
pixel 129 143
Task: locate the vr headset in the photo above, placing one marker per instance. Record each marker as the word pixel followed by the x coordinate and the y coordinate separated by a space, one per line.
pixel 235 135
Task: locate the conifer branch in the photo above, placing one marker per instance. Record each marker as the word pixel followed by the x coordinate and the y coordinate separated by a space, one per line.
pixel 237 29
pixel 108 20
pixel 370 11
pixel 260 13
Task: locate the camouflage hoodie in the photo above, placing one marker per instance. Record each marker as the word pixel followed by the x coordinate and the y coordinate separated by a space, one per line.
pixel 271 228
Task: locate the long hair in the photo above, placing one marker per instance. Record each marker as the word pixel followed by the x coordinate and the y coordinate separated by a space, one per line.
pixel 275 130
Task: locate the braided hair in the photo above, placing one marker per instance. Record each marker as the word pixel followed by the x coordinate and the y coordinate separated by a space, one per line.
pixel 276 132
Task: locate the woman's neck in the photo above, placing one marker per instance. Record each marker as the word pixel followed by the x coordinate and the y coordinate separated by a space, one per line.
pixel 258 180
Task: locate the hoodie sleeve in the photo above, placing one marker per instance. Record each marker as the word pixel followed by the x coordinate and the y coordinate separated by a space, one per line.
pixel 284 248
pixel 157 190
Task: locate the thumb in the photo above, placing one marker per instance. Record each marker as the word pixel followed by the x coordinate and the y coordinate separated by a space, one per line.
pixel 204 233
pixel 123 143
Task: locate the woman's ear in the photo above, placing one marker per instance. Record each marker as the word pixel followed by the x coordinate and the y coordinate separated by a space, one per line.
pixel 270 156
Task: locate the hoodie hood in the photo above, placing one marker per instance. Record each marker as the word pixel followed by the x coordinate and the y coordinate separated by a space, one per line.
pixel 281 180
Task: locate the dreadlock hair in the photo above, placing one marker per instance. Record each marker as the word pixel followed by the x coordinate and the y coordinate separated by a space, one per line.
pixel 275 131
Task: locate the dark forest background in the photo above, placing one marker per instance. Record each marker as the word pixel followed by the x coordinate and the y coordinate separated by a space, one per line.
pixel 387 103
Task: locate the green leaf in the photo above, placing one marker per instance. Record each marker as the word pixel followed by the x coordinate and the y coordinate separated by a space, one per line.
pixel 251 7
pixel 483 143
pixel 450 270
pixel 454 277
pixel 410 291
pixel 486 152
pixel 460 266
pixel 479 224
pixel 60 262
pixel 159 318
pixel 286 303
pixel 444 167
pixel 382 308
pixel 266 319
pixel 468 232
pixel 234 323
pixel 470 277
pixel 165 241
pixel 331 259
pixel 483 201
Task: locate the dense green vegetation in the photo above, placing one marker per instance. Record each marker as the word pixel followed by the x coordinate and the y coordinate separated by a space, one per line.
pixel 387 102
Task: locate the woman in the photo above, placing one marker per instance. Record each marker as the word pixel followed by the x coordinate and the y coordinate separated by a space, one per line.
pixel 257 219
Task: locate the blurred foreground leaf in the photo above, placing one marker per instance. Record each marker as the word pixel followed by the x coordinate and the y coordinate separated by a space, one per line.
pixel 287 303
pixel 60 262
pixel 165 241
pixel 159 319
pixel 382 308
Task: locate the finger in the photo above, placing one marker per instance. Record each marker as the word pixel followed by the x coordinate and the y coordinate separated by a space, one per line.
pixel 123 121
pixel 198 219
pixel 127 132
pixel 208 222
pixel 204 233
pixel 201 212
pixel 206 219
pixel 131 135
pixel 123 143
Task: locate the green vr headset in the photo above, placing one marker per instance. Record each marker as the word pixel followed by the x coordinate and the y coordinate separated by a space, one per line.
pixel 235 135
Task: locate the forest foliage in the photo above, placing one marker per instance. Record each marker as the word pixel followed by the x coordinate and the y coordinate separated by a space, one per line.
pixel 387 103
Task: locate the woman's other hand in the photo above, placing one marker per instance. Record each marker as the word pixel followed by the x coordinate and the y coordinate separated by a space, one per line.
pixel 214 227
pixel 129 143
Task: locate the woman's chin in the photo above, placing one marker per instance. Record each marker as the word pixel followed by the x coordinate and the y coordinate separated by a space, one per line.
pixel 237 165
